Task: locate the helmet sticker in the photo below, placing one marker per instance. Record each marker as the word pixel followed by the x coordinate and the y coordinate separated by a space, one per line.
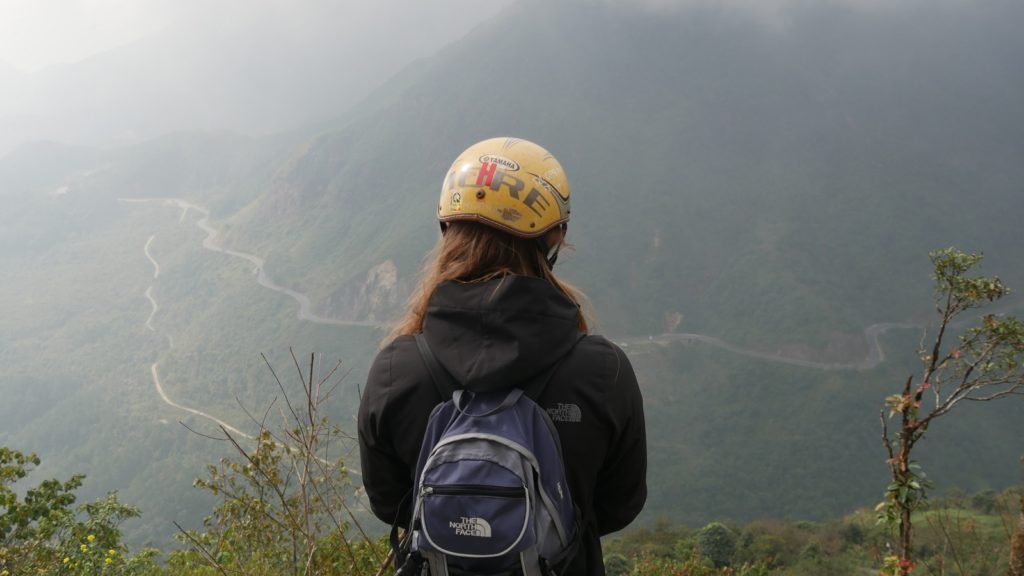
pixel 492 176
pixel 485 177
pixel 507 164
pixel 544 184
pixel 556 174
pixel 510 214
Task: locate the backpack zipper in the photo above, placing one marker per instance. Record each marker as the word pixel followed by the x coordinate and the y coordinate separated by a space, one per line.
pixel 476 490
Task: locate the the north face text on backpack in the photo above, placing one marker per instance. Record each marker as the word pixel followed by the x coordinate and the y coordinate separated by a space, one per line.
pixel 471 527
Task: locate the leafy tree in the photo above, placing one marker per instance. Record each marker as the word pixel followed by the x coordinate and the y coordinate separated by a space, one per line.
pixel 984 365
pixel 717 543
pixel 985 501
pixel 41 534
pixel 93 545
pixel 26 524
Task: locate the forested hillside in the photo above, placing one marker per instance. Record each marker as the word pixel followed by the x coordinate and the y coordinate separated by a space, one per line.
pixel 742 176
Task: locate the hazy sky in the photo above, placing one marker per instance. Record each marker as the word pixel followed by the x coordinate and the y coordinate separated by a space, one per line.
pixel 105 72
pixel 102 72
pixel 38 33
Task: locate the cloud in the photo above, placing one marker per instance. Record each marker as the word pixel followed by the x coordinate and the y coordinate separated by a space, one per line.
pixel 136 68
pixel 36 34
pixel 779 13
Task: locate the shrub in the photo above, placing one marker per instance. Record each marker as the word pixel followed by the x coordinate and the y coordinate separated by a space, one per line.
pixel 717 543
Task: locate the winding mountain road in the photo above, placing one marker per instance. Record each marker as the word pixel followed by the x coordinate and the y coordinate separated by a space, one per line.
pixel 155 372
pixel 210 243
pixel 155 308
pixel 876 355
pixel 213 242
pixel 154 368
pixel 156 266
pixel 163 396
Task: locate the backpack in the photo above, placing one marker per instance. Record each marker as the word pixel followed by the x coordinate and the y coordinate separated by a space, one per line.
pixel 490 495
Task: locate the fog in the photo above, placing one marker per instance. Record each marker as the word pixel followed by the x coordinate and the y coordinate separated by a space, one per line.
pixel 108 72
pixel 114 72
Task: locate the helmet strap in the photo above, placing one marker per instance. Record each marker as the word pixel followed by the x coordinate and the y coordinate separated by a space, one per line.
pixel 545 249
pixel 549 258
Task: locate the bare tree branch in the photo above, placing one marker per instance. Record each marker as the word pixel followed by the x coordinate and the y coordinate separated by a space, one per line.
pixel 1015 391
pixel 281 386
pixel 278 490
pixel 201 434
pixel 202 549
pixel 885 437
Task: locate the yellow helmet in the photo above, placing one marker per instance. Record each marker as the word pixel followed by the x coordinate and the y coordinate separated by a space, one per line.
pixel 508 183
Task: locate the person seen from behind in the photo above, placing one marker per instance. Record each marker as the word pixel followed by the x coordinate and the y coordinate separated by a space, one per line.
pixel 496 316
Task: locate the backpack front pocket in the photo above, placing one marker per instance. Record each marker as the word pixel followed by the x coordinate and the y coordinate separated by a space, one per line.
pixel 475 521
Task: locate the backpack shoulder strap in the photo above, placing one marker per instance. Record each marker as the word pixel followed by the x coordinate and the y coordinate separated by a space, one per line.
pixel 443 381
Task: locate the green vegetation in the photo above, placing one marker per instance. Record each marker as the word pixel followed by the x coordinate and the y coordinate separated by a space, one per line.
pixel 268 522
pixel 286 505
pixel 283 506
pixel 76 383
pixel 717 543
pixel 41 533
pixel 1017 545
pixel 986 364
pixel 957 535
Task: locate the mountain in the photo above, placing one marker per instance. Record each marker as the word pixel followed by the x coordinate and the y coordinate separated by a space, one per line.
pixel 744 178
pixel 773 186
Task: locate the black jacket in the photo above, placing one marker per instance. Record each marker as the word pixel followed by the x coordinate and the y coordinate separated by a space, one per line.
pixel 495 335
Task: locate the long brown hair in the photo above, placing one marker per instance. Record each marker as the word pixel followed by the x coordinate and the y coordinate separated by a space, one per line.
pixel 472 252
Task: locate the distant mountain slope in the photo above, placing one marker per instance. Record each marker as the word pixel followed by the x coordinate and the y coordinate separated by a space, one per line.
pixel 779 188
pixel 774 187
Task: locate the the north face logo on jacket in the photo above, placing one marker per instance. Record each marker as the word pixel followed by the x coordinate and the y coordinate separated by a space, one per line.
pixel 471 527
pixel 565 413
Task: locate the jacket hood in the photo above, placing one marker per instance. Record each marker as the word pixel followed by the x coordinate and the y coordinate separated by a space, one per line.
pixel 500 333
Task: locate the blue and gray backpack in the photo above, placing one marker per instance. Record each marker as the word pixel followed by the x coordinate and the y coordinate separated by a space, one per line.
pixel 491 496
